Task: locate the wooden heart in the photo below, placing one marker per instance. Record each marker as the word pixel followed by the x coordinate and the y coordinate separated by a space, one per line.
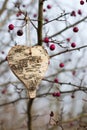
pixel 29 65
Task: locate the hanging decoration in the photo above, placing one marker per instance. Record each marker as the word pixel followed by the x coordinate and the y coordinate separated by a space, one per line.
pixel 29 64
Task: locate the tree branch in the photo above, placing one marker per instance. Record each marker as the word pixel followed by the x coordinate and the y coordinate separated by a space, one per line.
pixel 66 28
pixel 68 50
pixel 29 106
pixel 3 7
pixel 40 22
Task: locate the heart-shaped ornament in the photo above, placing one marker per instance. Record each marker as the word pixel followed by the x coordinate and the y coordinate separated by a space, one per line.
pixel 29 65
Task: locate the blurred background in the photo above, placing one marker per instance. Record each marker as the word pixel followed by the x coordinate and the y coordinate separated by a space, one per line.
pixel 67 109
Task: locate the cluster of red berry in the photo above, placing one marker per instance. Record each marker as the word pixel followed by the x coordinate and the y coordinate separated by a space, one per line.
pixel 56 94
pixel 52 46
pixel 19 32
pixel 73 13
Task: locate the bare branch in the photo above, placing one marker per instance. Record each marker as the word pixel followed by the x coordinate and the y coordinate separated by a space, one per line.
pixel 69 50
pixel 68 27
pixel 3 7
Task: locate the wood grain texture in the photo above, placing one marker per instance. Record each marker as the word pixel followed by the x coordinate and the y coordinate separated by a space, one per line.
pixel 29 65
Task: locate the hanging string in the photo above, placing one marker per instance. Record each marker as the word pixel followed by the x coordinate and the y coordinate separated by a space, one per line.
pixel 28 37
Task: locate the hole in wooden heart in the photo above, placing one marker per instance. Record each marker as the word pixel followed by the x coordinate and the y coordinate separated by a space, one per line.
pixel 29 65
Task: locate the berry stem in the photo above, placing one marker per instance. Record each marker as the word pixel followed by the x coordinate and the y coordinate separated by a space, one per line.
pixel 40 22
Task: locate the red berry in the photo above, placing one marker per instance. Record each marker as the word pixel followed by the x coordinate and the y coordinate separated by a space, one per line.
pixel 4 91
pixel 73 44
pixel 51 114
pixel 11 26
pixel 73 72
pixel 44 10
pixel 52 47
pixel 49 6
pixel 79 12
pixel 75 29
pixel 56 80
pixel 58 94
pixel 73 13
pixel 19 32
pixel 68 39
pixel 61 65
pixel 3 52
pixel 46 40
pixel 19 13
pixel 24 5
pixel 46 20
pixel 54 94
pixel 72 96
pixel 35 15
pixel 81 2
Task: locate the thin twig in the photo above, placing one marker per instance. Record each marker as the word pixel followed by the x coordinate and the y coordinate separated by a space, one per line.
pixel 69 50
pixel 1 62
pixel 56 19
pixel 82 88
pixel 68 27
